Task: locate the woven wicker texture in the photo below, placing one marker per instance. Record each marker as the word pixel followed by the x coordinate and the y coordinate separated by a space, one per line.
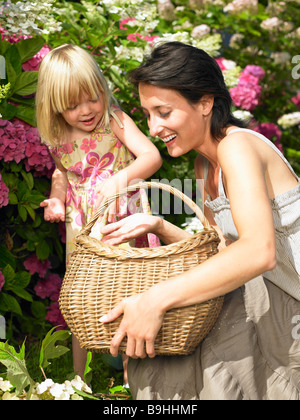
pixel 99 276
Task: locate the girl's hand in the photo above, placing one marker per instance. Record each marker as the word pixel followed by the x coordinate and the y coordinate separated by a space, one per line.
pixel 54 210
pixel 107 189
pixel 130 228
pixel 142 320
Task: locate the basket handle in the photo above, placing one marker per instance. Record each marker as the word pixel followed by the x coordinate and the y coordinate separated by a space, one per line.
pixel 88 227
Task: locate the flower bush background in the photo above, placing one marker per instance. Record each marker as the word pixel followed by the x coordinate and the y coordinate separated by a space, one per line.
pixel 256 43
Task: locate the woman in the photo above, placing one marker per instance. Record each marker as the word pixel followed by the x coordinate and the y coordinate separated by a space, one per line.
pixel 253 195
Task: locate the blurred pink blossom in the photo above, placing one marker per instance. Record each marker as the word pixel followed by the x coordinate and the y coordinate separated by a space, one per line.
pixel 271 131
pixel 296 100
pixel 55 317
pixel 2 280
pixel 4 190
pixel 256 71
pixel 49 287
pixel 34 265
pixel 34 63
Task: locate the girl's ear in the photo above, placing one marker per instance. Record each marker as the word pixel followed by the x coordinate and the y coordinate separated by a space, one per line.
pixel 206 104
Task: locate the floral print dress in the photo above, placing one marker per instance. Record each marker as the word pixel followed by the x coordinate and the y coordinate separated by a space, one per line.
pixel 89 161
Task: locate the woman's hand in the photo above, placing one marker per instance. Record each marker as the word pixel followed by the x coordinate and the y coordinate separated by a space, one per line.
pixel 54 210
pixel 130 228
pixel 142 319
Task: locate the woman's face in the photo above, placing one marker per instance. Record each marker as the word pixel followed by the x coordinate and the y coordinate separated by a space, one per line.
pixel 180 124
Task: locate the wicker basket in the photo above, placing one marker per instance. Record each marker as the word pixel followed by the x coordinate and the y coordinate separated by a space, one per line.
pixel 100 275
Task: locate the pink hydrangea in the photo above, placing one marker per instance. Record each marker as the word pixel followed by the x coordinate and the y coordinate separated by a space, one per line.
pixel 55 317
pixel 34 63
pixel 4 190
pixel 271 131
pixel 21 141
pixel 13 140
pixel 13 39
pixel 246 94
pixel 49 287
pixel 34 265
pixel 2 280
pixel 256 71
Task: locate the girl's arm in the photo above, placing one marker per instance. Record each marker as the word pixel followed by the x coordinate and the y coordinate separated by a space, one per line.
pixel 251 255
pixel 55 204
pixel 148 159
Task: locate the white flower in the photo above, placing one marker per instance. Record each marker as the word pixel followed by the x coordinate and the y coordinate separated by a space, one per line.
pixel 44 386
pixel 238 6
pixel 271 23
pixel 5 385
pixel 200 31
pixel 243 115
pixel 192 225
pixel 289 120
pixel 9 396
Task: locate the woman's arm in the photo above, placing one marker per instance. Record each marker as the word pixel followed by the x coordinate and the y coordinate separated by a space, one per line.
pixel 251 255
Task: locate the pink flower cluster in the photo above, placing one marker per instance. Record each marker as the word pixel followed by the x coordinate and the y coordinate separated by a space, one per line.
pixel 34 265
pixel 34 63
pixel 4 190
pixel 134 37
pixel 246 94
pixel 19 141
pixel 13 39
pixel 47 287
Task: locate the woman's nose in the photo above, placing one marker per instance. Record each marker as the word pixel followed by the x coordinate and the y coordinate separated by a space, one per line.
pixel 155 127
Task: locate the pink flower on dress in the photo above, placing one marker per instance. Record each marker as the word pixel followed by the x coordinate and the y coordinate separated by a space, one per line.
pixel 99 167
pixel 4 190
pixel 34 265
pixel 88 144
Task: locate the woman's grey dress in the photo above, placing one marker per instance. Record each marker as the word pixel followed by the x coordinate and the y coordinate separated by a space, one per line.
pixel 253 351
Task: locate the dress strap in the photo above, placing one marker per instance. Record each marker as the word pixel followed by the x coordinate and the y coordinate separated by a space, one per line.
pixel 114 115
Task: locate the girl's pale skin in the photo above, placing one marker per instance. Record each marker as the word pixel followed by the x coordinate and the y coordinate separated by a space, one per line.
pixel 82 118
pixel 253 174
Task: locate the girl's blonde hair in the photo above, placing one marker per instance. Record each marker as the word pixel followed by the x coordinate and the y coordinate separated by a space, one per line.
pixel 66 73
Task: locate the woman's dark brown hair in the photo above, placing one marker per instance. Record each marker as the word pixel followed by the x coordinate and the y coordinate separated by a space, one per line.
pixel 193 73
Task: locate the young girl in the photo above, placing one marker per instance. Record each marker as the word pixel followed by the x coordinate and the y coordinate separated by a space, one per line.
pixel 96 147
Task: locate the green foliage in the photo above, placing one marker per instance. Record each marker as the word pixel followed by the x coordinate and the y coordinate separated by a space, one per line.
pixel 22 83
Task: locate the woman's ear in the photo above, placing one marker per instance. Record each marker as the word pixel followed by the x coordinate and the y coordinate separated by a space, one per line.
pixel 206 104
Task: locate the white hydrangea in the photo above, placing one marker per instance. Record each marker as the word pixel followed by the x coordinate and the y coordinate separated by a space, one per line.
pixel 289 120
pixel 243 115
pixel 210 44
pixel 63 391
pixel 28 17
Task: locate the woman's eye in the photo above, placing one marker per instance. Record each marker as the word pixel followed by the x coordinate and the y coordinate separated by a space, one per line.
pixel 164 114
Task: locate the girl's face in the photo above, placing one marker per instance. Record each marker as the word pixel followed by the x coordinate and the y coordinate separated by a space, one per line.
pixel 84 116
pixel 180 124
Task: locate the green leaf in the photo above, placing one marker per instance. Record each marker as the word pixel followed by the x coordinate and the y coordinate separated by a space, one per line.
pixel 49 350
pixel 42 250
pixel 9 304
pixel 17 372
pixel 28 178
pixel 13 199
pixel 27 48
pixel 26 83
pixel 27 114
pixel 85 394
pixel 88 369
pixel 22 212
pixel 6 258
pixel 13 64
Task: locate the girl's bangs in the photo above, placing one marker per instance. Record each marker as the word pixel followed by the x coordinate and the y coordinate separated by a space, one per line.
pixel 69 90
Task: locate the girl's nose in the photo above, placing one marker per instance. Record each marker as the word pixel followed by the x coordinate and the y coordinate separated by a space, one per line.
pixel 85 108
